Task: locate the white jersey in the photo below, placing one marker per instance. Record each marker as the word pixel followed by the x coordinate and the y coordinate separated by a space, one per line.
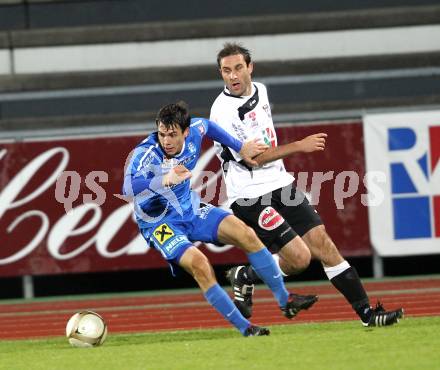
pixel 248 117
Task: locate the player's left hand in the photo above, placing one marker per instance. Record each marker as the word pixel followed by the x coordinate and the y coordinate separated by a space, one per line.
pixel 250 149
pixel 176 175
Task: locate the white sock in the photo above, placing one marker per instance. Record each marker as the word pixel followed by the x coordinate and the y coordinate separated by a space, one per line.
pixel 276 257
pixel 333 271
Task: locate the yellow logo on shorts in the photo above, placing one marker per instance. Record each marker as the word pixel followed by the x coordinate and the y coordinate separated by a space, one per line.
pixel 162 233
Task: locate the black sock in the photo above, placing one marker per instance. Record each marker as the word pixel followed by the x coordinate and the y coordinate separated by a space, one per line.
pixel 349 284
pixel 249 275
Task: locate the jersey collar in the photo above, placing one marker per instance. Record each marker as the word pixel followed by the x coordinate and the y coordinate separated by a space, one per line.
pixel 183 149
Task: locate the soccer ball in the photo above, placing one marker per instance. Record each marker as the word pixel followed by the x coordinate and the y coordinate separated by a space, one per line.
pixel 86 329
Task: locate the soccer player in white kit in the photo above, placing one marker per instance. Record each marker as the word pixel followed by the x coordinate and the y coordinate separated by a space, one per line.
pixel 262 196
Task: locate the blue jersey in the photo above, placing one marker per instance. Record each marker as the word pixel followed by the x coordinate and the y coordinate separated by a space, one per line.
pixel 155 203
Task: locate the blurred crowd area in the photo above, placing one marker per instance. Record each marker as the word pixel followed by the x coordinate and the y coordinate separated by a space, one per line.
pixel 76 63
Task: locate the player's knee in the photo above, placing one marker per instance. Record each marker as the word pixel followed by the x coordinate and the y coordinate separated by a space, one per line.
pixel 304 258
pixel 249 239
pixel 242 232
pixel 250 235
pixel 296 256
pixel 298 265
pixel 318 235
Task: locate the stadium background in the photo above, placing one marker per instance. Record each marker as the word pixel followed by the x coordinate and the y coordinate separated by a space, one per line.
pixel 104 67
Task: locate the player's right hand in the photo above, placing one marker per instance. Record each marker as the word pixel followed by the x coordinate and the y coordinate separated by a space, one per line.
pixel 313 143
pixel 250 149
pixel 176 175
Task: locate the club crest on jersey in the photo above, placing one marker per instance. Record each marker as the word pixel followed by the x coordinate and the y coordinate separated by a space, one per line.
pixel 162 233
pixel 269 219
pixel 192 147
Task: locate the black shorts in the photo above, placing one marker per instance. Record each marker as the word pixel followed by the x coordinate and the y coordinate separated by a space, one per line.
pixel 278 217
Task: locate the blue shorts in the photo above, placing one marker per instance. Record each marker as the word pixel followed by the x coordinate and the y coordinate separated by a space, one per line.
pixel 172 238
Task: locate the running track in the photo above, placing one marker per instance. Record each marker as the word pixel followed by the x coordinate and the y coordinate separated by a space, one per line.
pixel 188 309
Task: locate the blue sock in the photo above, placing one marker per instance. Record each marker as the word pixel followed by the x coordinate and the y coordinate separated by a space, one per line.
pixel 266 268
pixel 220 300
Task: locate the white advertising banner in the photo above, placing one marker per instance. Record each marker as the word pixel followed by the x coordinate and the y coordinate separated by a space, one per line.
pixel 402 153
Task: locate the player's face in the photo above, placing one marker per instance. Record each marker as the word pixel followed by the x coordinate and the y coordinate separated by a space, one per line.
pixel 171 139
pixel 236 74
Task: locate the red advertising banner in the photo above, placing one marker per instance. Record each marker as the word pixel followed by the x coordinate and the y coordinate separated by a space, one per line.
pixel 40 180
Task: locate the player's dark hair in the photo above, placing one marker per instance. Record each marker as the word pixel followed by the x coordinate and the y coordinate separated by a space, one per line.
pixel 232 48
pixel 175 114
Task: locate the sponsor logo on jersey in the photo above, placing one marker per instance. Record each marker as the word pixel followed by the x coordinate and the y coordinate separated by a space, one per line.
pixel 146 162
pixel 199 125
pixel 253 116
pixel 239 131
pixel 254 125
pixel 267 110
pixel 269 219
pixel 169 163
pixel 175 243
pixel 187 160
pixel 204 210
pixel 162 233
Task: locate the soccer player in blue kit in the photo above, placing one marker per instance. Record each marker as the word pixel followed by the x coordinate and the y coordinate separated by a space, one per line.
pixel 171 217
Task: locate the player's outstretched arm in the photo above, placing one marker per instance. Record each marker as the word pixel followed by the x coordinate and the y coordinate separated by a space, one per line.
pixel 309 144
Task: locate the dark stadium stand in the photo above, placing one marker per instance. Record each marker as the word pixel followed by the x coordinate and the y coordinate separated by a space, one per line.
pixel 222 27
pixel 342 84
pixel 29 14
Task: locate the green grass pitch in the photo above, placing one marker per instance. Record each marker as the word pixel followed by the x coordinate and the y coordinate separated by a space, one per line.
pixel 413 344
